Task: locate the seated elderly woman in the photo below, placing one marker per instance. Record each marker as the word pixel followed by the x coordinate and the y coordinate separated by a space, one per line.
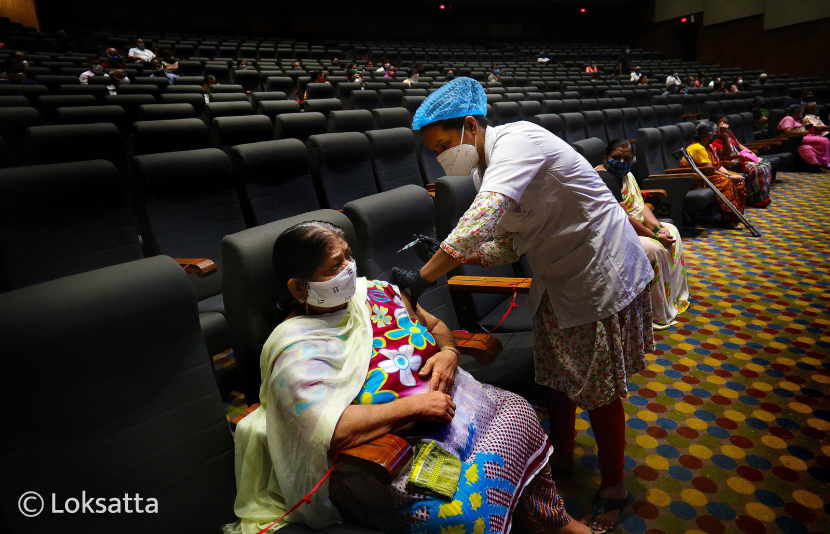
pixel 729 183
pixel 661 241
pixel 736 157
pixel 352 361
pixel 814 149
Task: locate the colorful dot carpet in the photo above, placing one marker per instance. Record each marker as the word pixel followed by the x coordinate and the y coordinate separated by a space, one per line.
pixel 728 428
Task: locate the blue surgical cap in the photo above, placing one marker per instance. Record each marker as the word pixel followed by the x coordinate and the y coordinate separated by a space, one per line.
pixel 458 98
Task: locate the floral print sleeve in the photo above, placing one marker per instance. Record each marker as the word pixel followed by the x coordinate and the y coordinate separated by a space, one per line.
pixel 477 225
pixel 499 251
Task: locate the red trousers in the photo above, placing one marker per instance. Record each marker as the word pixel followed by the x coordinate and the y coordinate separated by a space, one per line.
pixel 608 423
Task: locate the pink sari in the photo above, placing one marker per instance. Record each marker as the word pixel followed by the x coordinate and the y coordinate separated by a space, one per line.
pixel 814 149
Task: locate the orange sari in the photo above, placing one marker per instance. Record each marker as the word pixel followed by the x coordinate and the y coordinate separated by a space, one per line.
pixel 733 190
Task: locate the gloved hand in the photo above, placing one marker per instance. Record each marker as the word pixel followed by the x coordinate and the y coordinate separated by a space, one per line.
pixel 426 247
pixel 410 280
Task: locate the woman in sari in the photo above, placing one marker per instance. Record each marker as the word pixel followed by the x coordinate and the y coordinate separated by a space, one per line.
pixel 661 241
pixel 738 158
pixel 814 149
pixel 352 361
pixel 730 184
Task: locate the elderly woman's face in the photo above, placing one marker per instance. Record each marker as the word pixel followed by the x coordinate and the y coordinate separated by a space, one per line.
pixel 336 260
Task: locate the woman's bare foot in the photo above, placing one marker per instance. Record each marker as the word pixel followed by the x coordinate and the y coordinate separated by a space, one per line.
pixel 574 527
pixel 607 521
pixel 563 465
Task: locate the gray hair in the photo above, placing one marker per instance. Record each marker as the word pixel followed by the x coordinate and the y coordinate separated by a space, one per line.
pixel 703 129
pixel 795 108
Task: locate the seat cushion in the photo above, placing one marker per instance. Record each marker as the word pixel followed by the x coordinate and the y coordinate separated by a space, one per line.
pixel 698 199
pixel 519 320
pixel 216 303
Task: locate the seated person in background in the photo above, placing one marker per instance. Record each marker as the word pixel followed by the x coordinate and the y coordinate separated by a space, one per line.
pixel 296 66
pixel 118 77
pixel 140 54
pixel 691 82
pixel 643 80
pixel 796 98
pixel 370 65
pixel 16 73
pixel 673 79
pixel 760 113
pixel 494 74
pixel 391 72
pixel 62 44
pixel 170 63
pixel 814 149
pixel 316 77
pixel 592 67
pixel 810 118
pixel 22 56
pixel 94 68
pixel 671 89
pixel 450 75
pixel 682 90
pixel 358 79
pixel 335 63
pixel 412 76
pixel 543 59
pixel 241 64
pixel 720 87
pixel 715 80
pixel 114 59
pixel 421 69
pixel 351 70
pixel 762 79
pixel 159 72
pixel 661 241
pixel 384 65
pixel 363 362
pixel 597 76
pixel 730 184
pixel 738 158
pixel 737 85
pixel 207 82
pixel 636 74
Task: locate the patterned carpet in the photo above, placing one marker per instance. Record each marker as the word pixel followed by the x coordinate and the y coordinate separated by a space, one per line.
pixel 727 429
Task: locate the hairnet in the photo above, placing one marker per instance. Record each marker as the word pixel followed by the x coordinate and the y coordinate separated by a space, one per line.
pixel 458 98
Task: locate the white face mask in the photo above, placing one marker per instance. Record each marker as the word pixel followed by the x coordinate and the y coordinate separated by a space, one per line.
pixel 336 291
pixel 459 160
pixel 97 69
pixel 415 77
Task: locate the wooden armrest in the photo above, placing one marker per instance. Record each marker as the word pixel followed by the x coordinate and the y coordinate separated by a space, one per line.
pixel 430 187
pixel 690 115
pixel 431 193
pixel 490 284
pixel 657 193
pixel 687 175
pixel 249 410
pixel 383 458
pixel 483 347
pixel 707 170
pixel 201 266
pixel 632 141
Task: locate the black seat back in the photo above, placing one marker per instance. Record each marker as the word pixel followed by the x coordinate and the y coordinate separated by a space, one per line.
pixel 649 152
pixel 186 203
pixel 595 125
pixel 62 219
pixel 273 180
pixel 155 137
pixel 506 112
pixel 155 112
pixel 391 118
pixel 550 122
pixel 573 127
pixel 299 125
pixel 340 164
pixel 75 142
pixel 592 149
pixel 78 351
pixel 323 105
pixel 226 132
pixel 393 158
pixel 631 122
pixel 672 142
pixel 614 128
pixel 352 120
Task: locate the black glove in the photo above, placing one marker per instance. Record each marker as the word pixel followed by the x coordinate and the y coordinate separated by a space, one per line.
pixel 410 280
pixel 426 247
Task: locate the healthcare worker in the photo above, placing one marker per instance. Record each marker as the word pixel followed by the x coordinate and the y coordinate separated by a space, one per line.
pixel 590 294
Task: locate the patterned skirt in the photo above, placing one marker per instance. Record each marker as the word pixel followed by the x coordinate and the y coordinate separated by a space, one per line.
pixel 591 363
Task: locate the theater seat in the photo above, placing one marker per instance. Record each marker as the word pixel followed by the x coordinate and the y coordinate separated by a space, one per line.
pixel 13 124
pixel 95 115
pixel 272 108
pixel 299 125
pixel 386 118
pixel 273 180
pixel 195 100
pixel 393 158
pixel 226 132
pixel 366 99
pixel 352 120
pixel 551 122
pixel 155 112
pixel 592 149
pixel 506 112
pixel 340 164
pixel 226 109
pixel 186 204
pixel 75 142
pixel 573 127
pixel 112 362
pixel 154 137
pixel 62 219
pixel 323 105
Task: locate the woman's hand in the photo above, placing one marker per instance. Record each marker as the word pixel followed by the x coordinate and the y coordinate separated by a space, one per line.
pixel 665 240
pixel 443 366
pixel 434 406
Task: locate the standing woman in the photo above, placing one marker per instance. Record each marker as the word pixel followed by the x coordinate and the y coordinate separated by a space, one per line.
pixel 591 286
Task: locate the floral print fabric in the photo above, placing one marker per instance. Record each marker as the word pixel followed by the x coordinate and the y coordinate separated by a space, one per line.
pixel 476 226
pixel 591 363
pixel 400 347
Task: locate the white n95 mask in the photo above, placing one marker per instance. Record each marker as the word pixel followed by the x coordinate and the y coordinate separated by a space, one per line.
pixel 459 160
pixel 336 291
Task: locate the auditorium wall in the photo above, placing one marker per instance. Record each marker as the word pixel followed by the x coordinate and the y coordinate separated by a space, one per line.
pixel 22 11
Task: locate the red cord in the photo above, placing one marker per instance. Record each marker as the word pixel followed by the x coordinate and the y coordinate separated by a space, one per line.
pixel 306 499
pixel 512 304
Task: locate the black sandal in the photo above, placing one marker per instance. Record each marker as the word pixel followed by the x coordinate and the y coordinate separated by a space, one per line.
pixel 601 505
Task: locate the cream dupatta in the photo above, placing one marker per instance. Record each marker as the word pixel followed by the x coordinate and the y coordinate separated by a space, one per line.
pixel 312 368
